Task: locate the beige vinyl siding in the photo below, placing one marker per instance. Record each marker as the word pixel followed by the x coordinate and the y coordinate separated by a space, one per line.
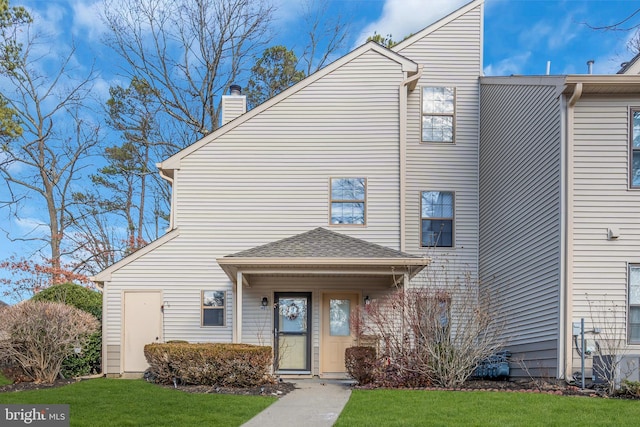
pixel 601 199
pixel 268 179
pixel 520 214
pixel 451 56
pixel 257 326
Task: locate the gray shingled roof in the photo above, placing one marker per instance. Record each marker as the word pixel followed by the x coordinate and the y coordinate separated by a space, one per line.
pixel 321 243
pixel 626 65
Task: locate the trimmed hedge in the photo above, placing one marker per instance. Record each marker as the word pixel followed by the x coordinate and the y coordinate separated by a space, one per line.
pixel 361 363
pixel 223 365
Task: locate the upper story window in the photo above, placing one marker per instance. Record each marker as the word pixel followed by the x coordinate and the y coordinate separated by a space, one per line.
pixel 634 304
pixel 438 112
pixel 436 219
pixel 348 200
pixel 634 170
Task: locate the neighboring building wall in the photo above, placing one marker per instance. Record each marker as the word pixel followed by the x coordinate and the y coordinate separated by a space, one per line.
pixel 452 56
pixel 267 179
pixel 602 199
pixel 520 214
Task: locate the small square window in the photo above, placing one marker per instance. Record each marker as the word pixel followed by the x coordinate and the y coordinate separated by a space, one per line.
pixel 437 209
pixel 438 112
pixel 213 308
pixel 348 201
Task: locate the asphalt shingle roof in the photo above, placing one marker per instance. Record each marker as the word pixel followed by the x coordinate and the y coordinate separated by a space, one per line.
pixel 321 243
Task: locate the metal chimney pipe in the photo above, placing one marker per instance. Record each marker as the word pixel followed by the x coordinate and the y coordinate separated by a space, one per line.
pixel 590 66
pixel 235 90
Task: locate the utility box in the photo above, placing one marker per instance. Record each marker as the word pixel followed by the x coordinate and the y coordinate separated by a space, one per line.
pixel 602 369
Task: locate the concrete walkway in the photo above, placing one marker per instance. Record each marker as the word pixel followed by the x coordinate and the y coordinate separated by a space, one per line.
pixel 314 403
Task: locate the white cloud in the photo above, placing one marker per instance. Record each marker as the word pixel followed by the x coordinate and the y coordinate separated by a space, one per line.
pixel 508 66
pixel 87 21
pixel 403 17
pixel 31 227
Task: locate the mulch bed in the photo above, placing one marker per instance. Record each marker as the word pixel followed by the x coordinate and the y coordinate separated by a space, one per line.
pixel 281 388
pixel 548 386
pixel 277 389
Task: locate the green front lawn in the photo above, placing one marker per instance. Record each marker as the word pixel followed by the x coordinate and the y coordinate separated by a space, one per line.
pixel 4 380
pixel 116 402
pixel 477 408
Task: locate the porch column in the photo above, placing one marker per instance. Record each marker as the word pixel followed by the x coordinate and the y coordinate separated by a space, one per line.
pixel 237 329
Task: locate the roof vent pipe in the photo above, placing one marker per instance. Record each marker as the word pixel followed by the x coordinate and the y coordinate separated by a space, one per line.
pixel 590 66
pixel 235 90
pixel 548 67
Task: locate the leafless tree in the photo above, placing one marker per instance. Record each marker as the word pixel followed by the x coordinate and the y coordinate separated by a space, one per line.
pixel 607 330
pixel 630 23
pixel 47 161
pixel 435 331
pixel 325 35
pixel 189 51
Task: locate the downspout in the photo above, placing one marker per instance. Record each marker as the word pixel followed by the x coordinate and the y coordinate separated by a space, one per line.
pixel 170 180
pixel 568 220
pixel 403 153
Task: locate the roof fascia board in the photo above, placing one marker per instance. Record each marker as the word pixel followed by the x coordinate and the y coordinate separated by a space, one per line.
pixel 105 275
pixel 241 261
pixel 407 65
pixel 438 24
pixel 630 82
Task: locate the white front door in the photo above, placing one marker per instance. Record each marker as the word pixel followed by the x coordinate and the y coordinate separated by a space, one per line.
pixel 142 324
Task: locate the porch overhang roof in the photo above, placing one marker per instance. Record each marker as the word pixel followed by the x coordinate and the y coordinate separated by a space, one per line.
pixel 322 252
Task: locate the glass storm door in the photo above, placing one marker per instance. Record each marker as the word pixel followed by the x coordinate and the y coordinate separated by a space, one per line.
pixel 292 332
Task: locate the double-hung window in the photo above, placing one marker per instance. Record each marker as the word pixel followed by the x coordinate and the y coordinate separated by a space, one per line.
pixel 634 163
pixel 348 201
pixel 634 304
pixel 213 308
pixel 438 114
pixel 436 219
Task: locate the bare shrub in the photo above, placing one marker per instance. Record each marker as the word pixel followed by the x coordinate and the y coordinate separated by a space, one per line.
pixel 38 336
pixel 434 333
pixel 608 319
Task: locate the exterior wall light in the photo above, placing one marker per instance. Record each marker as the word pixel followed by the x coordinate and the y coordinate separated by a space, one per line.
pixel 265 302
pixel 367 301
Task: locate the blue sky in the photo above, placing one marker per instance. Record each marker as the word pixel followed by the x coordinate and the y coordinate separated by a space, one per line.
pixel 520 36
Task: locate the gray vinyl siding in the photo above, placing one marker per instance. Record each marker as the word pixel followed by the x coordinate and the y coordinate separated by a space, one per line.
pixel 602 199
pixel 113 359
pixel 451 56
pixel 520 214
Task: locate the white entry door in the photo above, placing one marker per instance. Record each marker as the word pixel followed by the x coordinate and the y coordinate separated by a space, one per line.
pixel 142 324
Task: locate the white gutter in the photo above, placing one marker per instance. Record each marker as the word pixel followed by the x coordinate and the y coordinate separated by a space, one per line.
pixel 403 152
pixel 565 333
pixel 170 180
